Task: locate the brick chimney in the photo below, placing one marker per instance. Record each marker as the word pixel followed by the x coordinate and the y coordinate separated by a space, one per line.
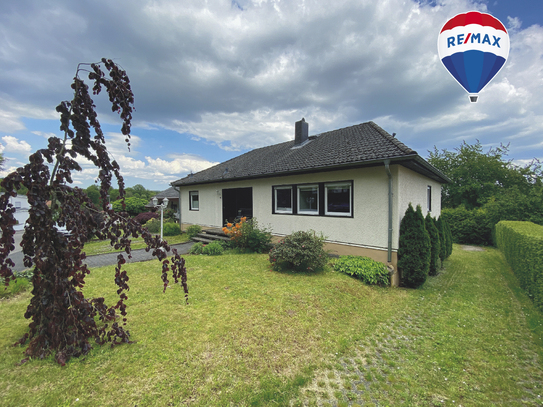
pixel 301 132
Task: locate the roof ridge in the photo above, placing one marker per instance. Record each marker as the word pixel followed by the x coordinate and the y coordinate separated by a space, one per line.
pixel 392 139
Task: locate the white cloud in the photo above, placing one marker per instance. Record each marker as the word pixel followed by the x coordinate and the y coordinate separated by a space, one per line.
pixel 13 145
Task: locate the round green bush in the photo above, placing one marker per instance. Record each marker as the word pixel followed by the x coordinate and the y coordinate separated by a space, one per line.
pixel 300 251
pixel 153 225
pixel 213 249
pixel 364 268
pixel 171 229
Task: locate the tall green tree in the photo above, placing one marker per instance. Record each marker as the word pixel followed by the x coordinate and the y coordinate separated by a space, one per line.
pixel 478 176
pixel 435 244
pixel 414 248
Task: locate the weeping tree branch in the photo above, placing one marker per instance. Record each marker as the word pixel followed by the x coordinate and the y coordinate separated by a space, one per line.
pixel 62 320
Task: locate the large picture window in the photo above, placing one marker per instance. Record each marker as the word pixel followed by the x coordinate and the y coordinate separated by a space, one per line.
pixel 338 199
pixel 308 199
pixel 283 199
pixel 194 201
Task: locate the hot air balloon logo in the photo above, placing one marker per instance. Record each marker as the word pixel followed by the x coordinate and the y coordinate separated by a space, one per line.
pixel 473 47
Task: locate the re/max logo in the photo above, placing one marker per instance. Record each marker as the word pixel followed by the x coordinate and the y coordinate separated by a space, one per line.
pixel 459 39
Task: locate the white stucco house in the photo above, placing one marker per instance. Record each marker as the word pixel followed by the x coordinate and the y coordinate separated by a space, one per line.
pixel 352 184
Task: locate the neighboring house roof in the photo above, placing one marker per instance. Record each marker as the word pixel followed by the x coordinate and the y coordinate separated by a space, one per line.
pixel 171 193
pixel 364 144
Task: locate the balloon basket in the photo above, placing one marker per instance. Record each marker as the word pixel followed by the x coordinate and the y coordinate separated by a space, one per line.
pixel 473 98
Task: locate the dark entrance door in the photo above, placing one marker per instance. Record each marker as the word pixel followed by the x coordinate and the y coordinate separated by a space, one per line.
pixel 236 203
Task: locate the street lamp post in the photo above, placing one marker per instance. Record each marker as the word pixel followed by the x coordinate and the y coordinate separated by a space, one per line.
pixel 162 207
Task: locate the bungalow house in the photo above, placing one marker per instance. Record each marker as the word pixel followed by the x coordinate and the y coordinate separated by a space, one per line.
pixel 352 184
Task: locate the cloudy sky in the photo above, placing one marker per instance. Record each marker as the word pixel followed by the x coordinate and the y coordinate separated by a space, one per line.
pixel 215 78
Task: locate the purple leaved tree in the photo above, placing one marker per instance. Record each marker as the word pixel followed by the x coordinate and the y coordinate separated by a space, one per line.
pixel 62 321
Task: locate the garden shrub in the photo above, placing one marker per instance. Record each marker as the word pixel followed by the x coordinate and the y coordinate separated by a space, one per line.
pixel 171 229
pixel 435 244
pixel 213 249
pixel 153 225
pixel 196 248
pixel 193 230
pixel 468 226
pixel 414 248
pixel 442 240
pixel 363 268
pixel 247 235
pixel 300 251
pixel 522 245
pixel 144 217
pixel 448 239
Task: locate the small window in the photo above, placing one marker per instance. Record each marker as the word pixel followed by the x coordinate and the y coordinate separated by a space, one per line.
pixel 338 199
pixel 429 198
pixel 308 199
pixel 194 201
pixel 17 204
pixel 283 199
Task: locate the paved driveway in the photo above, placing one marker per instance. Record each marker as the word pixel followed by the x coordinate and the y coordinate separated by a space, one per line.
pixel 97 260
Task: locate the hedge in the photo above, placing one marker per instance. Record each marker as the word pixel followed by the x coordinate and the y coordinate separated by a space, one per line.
pixel 522 245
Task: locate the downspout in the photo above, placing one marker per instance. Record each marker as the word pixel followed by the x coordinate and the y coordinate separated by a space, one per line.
pixel 387 168
pixel 179 209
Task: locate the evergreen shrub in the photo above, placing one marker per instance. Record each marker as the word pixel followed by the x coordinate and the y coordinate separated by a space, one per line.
pixel 435 244
pixel 414 248
pixel 300 251
pixel 522 245
pixel 363 268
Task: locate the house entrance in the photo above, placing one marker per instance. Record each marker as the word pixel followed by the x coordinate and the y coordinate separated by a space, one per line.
pixel 237 203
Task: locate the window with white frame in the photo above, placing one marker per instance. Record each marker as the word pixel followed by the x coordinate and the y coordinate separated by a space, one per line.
pixel 429 197
pixel 337 199
pixel 194 201
pixel 308 199
pixel 283 199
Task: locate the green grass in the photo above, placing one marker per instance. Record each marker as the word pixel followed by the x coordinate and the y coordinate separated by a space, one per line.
pixel 251 336
pixel 96 246
pixel 469 336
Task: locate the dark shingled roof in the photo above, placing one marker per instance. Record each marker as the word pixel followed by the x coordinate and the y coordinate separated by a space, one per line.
pixel 364 144
pixel 169 193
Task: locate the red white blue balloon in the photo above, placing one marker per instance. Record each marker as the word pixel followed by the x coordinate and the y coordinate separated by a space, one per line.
pixel 473 47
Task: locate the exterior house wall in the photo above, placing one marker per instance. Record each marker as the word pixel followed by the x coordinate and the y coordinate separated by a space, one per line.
pixel 412 187
pixel 365 233
pixel 367 228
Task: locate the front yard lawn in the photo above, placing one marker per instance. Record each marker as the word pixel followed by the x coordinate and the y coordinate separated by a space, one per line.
pixel 96 246
pixel 251 336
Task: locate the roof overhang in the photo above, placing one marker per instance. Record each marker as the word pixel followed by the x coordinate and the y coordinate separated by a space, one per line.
pixel 414 162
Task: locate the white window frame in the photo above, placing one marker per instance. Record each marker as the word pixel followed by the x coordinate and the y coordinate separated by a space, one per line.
pixel 283 210
pixel 191 195
pixel 308 211
pixel 335 185
pixel 429 198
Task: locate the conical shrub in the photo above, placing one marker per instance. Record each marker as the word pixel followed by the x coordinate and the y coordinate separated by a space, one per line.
pixel 414 248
